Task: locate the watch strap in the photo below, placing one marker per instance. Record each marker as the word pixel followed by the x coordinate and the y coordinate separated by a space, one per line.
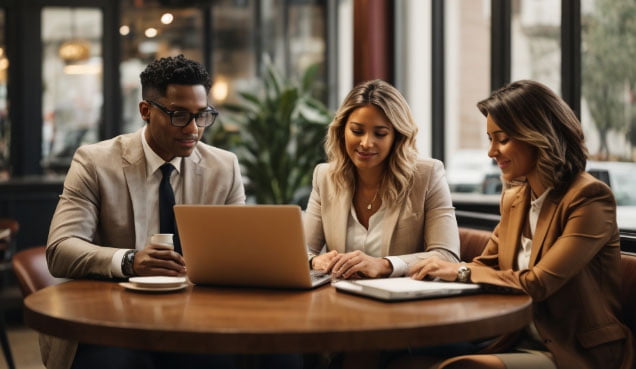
pixel 128 262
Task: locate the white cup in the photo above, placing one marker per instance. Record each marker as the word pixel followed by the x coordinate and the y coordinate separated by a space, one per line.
pixel 163 239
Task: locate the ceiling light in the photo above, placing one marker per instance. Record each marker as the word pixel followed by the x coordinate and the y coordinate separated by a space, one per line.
pixel 167 18
pixel 124 30
pixel 151 32
pixel 75 50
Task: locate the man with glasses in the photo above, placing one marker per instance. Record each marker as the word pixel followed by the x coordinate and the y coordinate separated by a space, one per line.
pixel 113 201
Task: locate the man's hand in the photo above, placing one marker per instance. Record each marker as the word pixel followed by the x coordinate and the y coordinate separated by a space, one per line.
pixel 158 260
pixel 357 264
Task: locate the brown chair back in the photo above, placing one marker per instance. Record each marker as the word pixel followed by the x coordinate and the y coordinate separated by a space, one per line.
pixel 472 242
pixel 31 269
pixel 628 289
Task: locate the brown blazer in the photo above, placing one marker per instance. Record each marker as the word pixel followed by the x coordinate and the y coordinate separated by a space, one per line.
pixel 573 276
pixel 410 231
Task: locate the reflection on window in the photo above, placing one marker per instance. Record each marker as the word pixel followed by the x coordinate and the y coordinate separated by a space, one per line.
pixel 244 34
pixel 72 78
pixel 535 41
pixel 248 34
pixel 468 81
pixel 234 60
pixel 149 31
pixel 4 105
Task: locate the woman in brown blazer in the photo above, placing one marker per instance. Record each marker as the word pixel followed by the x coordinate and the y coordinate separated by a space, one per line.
pixel 557 239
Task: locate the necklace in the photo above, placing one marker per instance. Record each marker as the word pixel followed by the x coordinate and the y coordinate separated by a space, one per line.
pixel 373 200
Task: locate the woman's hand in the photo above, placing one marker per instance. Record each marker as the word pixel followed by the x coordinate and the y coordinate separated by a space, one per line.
pixel 357 264
pixel 324 262
pixel 434 267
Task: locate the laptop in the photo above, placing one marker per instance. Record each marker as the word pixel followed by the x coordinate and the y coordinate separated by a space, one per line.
pixel 245 245
pixel 405 288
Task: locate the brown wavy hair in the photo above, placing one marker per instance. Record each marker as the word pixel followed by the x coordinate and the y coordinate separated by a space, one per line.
pixel 530 112
pixel 402 158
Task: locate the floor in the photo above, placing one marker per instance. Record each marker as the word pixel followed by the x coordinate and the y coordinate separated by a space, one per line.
pixel 24 347
pixel 23 340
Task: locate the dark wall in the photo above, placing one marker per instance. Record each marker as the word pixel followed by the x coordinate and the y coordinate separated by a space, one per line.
pixel 31 201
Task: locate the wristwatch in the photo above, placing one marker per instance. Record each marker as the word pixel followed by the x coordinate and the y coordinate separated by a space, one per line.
pixel 127 263
pixel 463 273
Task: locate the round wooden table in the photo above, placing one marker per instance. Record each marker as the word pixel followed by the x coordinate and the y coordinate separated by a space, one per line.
pixel 245 320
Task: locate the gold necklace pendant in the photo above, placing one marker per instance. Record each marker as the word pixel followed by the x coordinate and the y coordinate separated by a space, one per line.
pixel 370 206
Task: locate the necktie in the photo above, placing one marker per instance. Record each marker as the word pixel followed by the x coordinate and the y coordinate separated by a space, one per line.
pixel 167 223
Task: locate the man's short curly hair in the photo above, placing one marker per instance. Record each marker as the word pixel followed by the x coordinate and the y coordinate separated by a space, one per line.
pixel 172 70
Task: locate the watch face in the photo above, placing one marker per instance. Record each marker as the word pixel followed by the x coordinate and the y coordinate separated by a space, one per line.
pixel 463 273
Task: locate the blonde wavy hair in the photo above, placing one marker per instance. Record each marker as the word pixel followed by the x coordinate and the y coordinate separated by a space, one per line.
pixel 400 165
pixel 530 112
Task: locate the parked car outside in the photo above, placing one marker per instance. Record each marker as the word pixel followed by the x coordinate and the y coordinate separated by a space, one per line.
pixel 469 171
pixel 621 177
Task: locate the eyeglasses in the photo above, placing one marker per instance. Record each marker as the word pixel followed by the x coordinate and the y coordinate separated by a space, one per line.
pixel 180 118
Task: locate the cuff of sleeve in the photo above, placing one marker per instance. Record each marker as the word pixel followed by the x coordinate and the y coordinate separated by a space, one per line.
pixel 115 263
pixel 400 268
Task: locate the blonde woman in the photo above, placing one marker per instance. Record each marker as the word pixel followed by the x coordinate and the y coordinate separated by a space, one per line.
pixel 375 207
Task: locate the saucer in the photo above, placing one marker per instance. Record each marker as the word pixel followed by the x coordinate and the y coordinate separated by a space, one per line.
pixel 135 287
pixel 157 281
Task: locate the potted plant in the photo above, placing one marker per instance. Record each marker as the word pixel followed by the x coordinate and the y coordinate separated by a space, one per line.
pixel 280 137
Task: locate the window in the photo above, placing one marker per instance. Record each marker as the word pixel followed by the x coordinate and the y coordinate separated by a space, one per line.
pixel 72 97
pixel 608 102
pixel 536 37
pixel 413 74
pixel 149 31
pixel 467 82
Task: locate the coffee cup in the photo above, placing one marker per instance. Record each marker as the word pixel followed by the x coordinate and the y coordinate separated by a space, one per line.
pixel 163 239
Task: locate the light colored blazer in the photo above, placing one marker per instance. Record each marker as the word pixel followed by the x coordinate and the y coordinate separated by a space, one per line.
pixel 573 275
pixel 428 226
pixel 102 209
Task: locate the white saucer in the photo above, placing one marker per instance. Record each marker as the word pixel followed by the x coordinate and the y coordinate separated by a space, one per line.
pixel 157 281
pixel 135 287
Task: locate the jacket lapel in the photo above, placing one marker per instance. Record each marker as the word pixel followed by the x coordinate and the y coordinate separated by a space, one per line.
pixel 516 217
pixel 192 186
pixel 388 226
pixel 340 210
pixel 548 210
pixel 134 167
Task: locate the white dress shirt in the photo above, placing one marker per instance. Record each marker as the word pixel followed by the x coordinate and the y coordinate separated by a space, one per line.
pixel 153 179
pixel 369 240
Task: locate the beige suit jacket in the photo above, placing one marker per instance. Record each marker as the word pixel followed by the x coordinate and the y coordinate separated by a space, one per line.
pixel 424 226
pixel 573 275
pixel 102 209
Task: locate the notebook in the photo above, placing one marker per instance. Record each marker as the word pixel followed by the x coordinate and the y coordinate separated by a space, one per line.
pixel 395 289
pixel 245 245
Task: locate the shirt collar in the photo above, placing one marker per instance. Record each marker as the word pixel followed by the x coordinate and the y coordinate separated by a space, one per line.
pixel 154 161
pixel 538 202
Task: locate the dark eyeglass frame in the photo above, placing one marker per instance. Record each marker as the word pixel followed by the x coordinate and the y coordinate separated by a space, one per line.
pixel 195 116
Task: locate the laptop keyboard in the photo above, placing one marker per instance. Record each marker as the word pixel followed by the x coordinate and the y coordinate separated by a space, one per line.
pixel 318 277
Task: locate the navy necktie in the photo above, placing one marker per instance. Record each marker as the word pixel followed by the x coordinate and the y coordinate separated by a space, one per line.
pixel 167 223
